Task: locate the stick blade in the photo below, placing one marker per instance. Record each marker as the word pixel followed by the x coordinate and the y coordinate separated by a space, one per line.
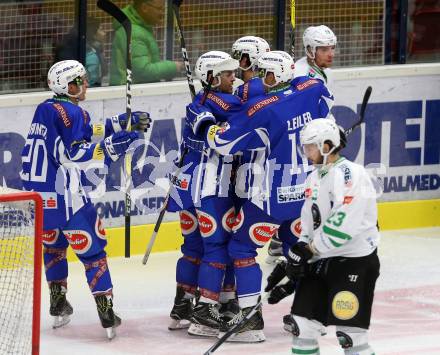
pixel 365 100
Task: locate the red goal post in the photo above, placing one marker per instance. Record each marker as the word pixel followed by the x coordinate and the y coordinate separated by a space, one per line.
pixel 21 228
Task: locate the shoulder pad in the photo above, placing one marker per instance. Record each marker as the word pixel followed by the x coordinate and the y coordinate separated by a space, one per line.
pixel 261 104
pixel 307 84
pixel 245 94
pixel 346 173
pixel 62 114
pixel 85 115
pixel 219 101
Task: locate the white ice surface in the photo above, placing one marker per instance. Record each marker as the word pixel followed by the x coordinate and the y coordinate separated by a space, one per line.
pixel 406 314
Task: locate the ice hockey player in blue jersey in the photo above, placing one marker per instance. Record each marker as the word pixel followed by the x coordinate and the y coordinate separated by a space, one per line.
pixel 269 128
pixel 247 50
pixel 206 211
pixel 57 145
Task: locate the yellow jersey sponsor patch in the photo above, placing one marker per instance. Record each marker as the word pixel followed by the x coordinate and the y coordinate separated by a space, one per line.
pixel 345 305
pixel 98 152
pixel 212 131
pixel 98 129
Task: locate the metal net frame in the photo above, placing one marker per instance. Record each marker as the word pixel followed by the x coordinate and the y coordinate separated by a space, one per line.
pixel 21 216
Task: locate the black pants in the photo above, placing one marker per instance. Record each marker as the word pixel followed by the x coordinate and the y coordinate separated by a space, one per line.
pixel 338 291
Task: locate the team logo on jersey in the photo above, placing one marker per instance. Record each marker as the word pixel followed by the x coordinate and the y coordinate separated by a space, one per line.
pixel 295 227
pixel 50 236
pixel 99 228
pixel 261 232
pixel 345 305
pixel 63 114
pixel 188 222
pixel 49 200
pixel 207 224
pixel 228 220
pixel 219 101
pixel 79 240
pixel 261 104
pixel 306 84
pixel 181 181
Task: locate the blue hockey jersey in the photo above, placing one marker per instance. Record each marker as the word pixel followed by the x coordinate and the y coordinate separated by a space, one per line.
pixel 250 89
pixel 204 172
pixel 267 132
pixel 58 141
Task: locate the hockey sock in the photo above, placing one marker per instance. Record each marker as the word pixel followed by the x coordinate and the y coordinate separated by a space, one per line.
pixel 187 272
pixel 228 290
pixel 98 276
pixel 210 279
pixel 55 264
pixel 248 275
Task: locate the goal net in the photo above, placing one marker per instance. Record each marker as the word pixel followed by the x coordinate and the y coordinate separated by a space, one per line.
pixel 21 217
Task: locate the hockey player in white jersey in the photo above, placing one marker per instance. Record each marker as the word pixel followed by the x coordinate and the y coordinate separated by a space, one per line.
pixel 319 44
pixel 335 258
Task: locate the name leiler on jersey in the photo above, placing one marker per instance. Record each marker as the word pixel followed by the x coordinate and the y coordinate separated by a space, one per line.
pixel 299 121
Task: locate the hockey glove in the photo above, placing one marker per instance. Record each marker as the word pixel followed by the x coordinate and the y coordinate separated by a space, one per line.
pixel 140 121
pixel 198 118
pixel 277 274
pixel 193 143
pixel 298 256
pixel 118 144
pixel 281 291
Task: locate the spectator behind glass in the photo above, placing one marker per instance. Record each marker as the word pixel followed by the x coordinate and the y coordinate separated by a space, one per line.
pixel 146 63
pixel 95 64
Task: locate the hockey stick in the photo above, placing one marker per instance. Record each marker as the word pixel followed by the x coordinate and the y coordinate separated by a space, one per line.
pixel 120 16
pixel 362 111
pixel 292 30
pixel 167 198
pixel 231 331
pixel 176 4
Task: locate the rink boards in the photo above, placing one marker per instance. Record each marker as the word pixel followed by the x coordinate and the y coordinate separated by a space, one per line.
pixel 399 143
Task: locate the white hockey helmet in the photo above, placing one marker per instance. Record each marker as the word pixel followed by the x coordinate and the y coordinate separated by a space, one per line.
pixel 62 73
pixel 253 46
pixel 317 36
pixel 319 131
pixel 214 62
pixel 279 63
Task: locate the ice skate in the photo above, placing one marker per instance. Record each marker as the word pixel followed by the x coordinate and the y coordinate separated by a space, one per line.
pixel 205 320
pixel 60 308
pixel 229 309
pixel 288 323
pixel 274 251
pixel 109 320
pixel 181 312
pixel 251 331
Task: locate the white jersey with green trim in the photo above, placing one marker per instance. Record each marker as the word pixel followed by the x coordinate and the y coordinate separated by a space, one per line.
pixel 339 215
pixel 303 68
